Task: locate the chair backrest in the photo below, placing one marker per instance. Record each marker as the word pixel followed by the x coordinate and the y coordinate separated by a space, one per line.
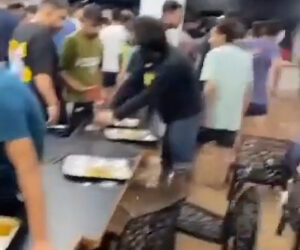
pixel 293 207
pixel 155 231
pixel 241 220
pixel 257 151
pixel 201 223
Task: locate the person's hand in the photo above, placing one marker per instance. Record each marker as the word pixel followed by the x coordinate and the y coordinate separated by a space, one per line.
pixel 105 118
pixel 42 245
pixel 92 93
pixel 53 114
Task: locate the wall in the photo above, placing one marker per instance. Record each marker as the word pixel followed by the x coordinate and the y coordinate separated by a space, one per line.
pixel 147 7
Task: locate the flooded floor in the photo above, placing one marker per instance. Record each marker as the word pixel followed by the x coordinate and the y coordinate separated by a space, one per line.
pixel 283 121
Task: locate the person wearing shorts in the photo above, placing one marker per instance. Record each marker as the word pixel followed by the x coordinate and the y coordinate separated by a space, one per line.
pixel 225 92
pixel 109 79
pixel 224 138
pixel 225 87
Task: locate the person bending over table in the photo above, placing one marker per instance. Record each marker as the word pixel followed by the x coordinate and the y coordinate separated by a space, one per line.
pixel 22 129
pixel 165 81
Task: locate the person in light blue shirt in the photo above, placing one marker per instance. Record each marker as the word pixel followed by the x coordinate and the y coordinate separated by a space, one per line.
pixel 228 75
pixel 59 38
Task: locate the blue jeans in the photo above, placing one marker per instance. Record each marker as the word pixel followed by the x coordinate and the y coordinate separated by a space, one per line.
pixel 180 143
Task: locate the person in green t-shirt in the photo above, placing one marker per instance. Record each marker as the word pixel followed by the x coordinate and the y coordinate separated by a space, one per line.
pixel 81 58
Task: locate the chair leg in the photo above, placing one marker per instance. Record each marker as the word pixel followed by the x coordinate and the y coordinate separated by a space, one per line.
pixel 297 242
pixel 109 241
pixel 281 225
pixel 232 186
pixel 225 246
pixel 229 174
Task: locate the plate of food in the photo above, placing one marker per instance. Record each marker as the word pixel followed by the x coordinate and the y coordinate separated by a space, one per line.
pixel 136 135
pixel 9 227
pixel 92 167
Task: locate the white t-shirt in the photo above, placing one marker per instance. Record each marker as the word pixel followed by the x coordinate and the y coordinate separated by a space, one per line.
pixel 113 38
pixel 173 36
pixel 231 68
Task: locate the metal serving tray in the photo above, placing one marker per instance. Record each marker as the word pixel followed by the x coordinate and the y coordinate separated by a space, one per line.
pixel 84 166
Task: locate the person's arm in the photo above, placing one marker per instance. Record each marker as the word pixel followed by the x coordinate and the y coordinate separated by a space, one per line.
pixel 22 155
pixel 276 69
pixel 127 90
pixel 42 63
pixel 209 88
pixel 131 97
pixel 147 95
pixel 249 88
pixel 247 98
pixel 208 76
pixel 45 87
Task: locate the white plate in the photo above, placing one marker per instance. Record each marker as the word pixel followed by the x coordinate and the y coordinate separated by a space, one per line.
pixel 92 128
pixel 80 165
pixel 129 135
pixel 5 241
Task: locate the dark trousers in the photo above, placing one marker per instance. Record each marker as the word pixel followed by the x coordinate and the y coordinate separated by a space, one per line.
pixel 81 113
pixel 9 204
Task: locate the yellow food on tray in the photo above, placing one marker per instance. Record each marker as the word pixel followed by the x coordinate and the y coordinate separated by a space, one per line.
pixel 7 225
pixel 99 172
pixel 131 134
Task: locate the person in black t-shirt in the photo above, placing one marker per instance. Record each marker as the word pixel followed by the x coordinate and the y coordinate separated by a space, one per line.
pixel 33 48
pixel 164 81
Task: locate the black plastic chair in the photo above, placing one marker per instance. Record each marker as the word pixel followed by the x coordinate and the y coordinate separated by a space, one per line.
pixel 240 222
pixel 260 161
pixel 291 213
pixel 154 231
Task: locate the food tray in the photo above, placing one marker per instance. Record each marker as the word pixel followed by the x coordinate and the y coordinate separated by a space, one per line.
pixel 135 135
pixel 60 130
pixel 127 123
pixel 84 166
pixel 9 227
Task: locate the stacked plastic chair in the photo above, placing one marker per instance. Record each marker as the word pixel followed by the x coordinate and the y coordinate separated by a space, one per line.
pixel 240 223
pixel 260 160
pixel 291 204
pixel 154 231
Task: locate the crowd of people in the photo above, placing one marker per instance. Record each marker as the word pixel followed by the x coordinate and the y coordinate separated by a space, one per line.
pixel 54 56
